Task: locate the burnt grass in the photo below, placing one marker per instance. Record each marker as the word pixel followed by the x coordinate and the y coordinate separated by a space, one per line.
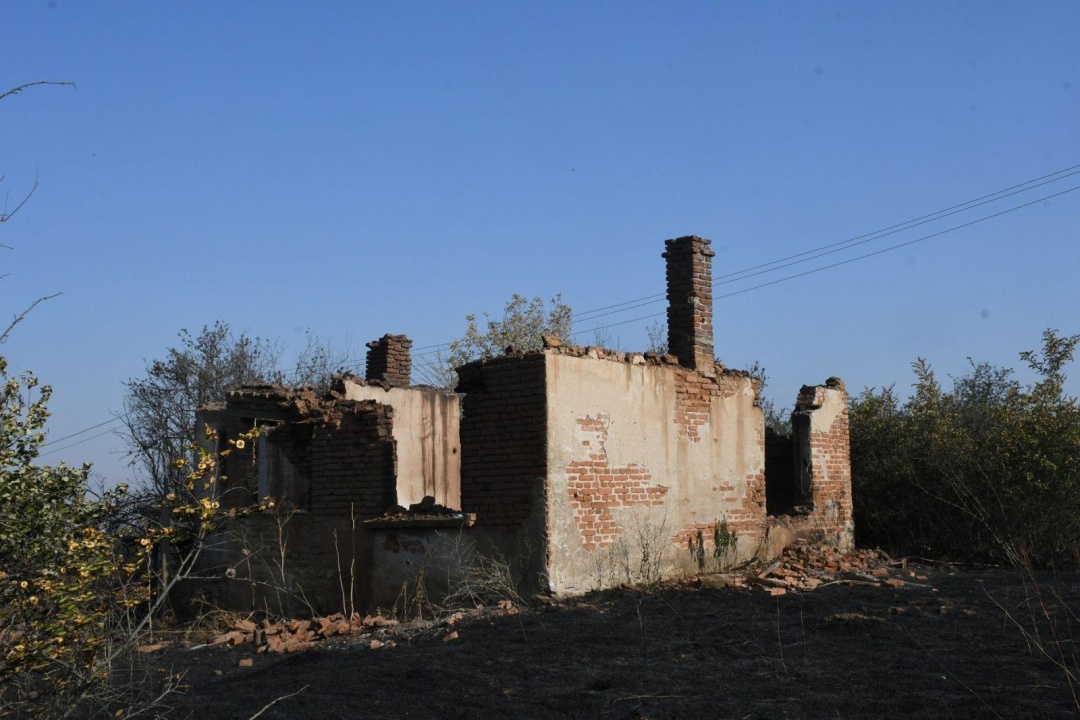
pixel 943 648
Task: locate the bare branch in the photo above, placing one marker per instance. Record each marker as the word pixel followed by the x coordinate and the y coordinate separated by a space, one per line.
pixel 5 215
pixel 277 700
pixel 22 87
pixel 21 316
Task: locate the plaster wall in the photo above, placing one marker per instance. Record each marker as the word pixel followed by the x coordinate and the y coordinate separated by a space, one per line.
pixel 426 430
pixel 640 458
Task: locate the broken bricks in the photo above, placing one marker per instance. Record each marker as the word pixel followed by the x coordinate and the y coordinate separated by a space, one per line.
pixel 804 567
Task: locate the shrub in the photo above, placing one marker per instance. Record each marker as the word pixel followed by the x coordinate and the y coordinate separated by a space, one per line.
pixel 63 579
pixel 984 471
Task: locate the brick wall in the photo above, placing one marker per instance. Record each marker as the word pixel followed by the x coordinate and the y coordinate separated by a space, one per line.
pixel 596 487
pixel 388 360
pixel 824 452
pixel 689 295
pixel 344 453
pixel 353 461
pixel 503 437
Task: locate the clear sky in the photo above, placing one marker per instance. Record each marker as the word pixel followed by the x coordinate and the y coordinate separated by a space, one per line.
pixel 359 168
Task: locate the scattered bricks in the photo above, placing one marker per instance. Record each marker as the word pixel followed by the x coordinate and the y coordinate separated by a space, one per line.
pixel 244 626
pixel 144 649
pixel 375 644
pixel 805 567
pixel 246 662
pixel 297 644
pixel 233 637
pixel 297 626
pixel 450 637
pixel 338 627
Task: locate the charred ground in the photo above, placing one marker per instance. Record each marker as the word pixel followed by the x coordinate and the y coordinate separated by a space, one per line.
pixel 945 647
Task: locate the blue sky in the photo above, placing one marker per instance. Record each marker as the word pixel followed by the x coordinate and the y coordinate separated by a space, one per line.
pixel 360 168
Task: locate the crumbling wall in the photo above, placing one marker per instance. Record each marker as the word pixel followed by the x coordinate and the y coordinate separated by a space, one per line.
pixel 504 428
pixel 646 458
pixel 824 453
pixel 427 434
pixel 820 476
pixel 343 453
pixel 689 295
pixel 388 360
pixel 503 438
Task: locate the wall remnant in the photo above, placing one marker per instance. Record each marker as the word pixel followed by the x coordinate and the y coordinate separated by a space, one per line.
pixel 596 487
pixel 689 295
pixel 389 361
pixel 568 460
pixel 330 462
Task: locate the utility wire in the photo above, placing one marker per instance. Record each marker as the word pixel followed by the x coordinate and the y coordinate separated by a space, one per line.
pixel 76 434
pixel 843 244
pixel 77 442
pixel 814 253
pixel 857 257
pixel 760 269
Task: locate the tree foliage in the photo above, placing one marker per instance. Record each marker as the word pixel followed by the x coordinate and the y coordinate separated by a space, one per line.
pixel 522 327
pixel 80 577
pixel 63 579
pixel 988 470
pixel 159 408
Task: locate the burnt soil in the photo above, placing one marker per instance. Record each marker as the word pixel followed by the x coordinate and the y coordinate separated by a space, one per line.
pixel 945 647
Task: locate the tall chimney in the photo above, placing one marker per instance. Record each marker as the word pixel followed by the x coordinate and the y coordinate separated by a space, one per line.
pixel 388 360
pixel 689 294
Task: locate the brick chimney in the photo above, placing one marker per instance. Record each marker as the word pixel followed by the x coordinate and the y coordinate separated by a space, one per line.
pixel 689 294
pixel 388 360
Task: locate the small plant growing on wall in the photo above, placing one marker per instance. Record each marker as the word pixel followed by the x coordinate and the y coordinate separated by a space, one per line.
pixel 725 543
pixel 724 547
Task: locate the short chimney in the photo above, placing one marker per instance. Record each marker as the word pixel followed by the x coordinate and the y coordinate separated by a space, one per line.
pixel 388 360
pixel 689 294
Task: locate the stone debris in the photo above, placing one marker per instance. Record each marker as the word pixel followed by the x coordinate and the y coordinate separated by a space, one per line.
pixel 144 649
pixel 804 567
pixel 376 631
pixel 288 636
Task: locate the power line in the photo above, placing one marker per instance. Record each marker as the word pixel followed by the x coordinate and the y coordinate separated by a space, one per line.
pixel 836 247
pixel 76 434
pixel 78 442
pixel 814 253
pixel 858 257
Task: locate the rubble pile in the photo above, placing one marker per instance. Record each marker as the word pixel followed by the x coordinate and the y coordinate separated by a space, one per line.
pixel 376 631
pixel 297 635
pixel 804 567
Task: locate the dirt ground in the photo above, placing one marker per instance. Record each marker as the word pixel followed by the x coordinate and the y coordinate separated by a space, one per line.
pixel 946 647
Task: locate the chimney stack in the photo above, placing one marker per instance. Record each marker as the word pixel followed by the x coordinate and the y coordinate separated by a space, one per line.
pixel 388 360
pixel 689 294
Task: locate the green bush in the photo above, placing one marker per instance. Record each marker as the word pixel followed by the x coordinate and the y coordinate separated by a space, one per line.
pixel 63 578
pixel 989 470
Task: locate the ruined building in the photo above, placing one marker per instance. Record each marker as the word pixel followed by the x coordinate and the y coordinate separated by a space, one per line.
pixel 578 468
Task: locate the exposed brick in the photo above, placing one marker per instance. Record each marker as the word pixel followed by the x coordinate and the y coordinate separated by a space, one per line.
pixel 388 361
